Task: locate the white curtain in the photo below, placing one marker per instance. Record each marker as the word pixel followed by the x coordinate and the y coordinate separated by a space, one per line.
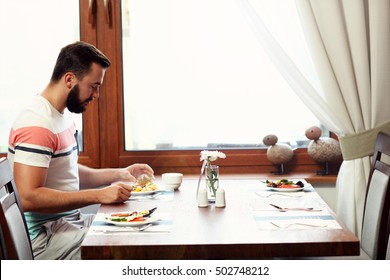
pixel 350 43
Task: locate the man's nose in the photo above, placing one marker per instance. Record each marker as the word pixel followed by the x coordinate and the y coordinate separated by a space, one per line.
pixel 96 94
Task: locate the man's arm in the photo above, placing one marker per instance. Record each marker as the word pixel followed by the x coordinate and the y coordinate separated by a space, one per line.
pixel 92 178
pixel 35 197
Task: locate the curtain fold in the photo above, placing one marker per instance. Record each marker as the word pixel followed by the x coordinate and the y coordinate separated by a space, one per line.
pixel 349 41
pixel 291 73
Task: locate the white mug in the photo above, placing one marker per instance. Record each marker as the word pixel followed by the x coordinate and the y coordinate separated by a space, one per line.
pixel 172 180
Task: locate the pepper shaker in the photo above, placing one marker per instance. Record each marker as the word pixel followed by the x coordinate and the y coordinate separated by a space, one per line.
pixel 202 198
pixel 220 200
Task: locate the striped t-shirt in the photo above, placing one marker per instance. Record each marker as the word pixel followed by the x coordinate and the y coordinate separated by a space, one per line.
pixel 43 137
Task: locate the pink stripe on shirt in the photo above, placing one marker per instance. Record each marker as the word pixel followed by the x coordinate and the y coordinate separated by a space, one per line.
pixel 39 136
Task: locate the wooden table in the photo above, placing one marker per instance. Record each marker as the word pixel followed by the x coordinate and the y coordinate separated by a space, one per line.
pixel 233 232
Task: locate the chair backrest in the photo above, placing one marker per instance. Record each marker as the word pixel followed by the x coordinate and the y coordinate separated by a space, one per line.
pixel 15 241
pixel 376 218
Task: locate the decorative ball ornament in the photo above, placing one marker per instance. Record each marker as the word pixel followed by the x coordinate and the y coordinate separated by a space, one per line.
pixel 322 149
pixel 313 133
pixel 277 153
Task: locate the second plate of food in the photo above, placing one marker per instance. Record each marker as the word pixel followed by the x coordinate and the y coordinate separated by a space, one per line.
pixel 285 185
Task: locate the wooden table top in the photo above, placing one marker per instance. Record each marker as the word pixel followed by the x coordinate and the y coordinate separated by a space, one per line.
pixel 241 230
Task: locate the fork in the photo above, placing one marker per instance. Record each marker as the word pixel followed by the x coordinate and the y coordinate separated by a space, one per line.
pixel 284 209
pixel 282 194
pixel 142 228
pixel 126 229
pixel 153 196
pixel 297 224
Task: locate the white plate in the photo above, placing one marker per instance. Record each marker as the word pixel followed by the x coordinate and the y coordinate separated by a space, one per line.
pixel 132 224
pixel 144 193
pixel 285 189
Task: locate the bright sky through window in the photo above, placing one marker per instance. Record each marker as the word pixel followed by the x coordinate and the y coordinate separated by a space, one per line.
pixel 196 76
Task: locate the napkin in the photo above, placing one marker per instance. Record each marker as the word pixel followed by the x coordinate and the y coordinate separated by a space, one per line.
pixel 271 193
pixel 304 223
pixel 155 228
pixel 292 220
pixel 301 223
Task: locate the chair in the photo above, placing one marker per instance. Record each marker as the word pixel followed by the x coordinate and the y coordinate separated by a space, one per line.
pixel 376 216
pixel 15 241
pixel 376 219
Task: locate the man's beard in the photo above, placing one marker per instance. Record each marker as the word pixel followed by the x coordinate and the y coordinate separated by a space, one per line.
pixel 73 102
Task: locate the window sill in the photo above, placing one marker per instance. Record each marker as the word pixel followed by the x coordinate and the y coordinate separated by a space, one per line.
pixel 309 177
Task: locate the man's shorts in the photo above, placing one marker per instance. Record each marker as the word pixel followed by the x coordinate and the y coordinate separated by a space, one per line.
pixel 61 239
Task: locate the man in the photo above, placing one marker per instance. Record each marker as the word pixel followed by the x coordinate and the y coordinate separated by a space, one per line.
pixel 43 153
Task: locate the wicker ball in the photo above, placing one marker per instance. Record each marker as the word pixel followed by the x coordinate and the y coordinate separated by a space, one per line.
pixel 324 149
pixel 313 133
pixel 270 139
pixel 277 153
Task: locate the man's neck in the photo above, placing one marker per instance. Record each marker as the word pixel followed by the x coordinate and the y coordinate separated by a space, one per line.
pixel 55 96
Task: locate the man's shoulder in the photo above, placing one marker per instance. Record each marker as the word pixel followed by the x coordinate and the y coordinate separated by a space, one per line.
pixel 39 113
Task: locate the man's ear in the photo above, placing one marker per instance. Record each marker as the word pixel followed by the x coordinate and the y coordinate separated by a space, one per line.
pixel 69 79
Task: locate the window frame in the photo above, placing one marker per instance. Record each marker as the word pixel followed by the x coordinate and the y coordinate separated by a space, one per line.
pixel 90 155
pixel 186 161
pixel 103 123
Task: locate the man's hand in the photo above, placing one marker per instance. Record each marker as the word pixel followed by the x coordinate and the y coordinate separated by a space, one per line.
pixel 131 172
pixel 115 193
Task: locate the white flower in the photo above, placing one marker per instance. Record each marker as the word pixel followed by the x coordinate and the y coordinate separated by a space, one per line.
pixel 211 155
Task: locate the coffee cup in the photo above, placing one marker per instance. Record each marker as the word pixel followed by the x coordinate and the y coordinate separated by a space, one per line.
pixel 172 180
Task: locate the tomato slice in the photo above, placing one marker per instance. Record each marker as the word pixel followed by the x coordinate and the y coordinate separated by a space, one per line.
pixel 289 186
pixel 138 219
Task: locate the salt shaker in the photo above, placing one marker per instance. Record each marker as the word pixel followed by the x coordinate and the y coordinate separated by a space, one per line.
pixel 202 198
pixel 220 198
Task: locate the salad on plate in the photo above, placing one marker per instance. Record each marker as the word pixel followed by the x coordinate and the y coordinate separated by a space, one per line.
pixel 284 184
pixel 133 218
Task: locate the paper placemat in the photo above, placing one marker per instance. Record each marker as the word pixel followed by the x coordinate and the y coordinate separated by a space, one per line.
pixel 290 220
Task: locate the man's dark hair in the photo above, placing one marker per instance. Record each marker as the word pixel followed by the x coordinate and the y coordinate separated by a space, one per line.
pixel 78 58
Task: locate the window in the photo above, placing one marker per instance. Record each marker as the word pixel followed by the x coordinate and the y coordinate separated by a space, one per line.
pixel 31 40
pixel 195 77
pixel 132 121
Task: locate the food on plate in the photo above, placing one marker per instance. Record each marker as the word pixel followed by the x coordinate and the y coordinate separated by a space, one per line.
pixel 135 216
pixel 149 187
pixel 144 179
pixel 127 219
pixel 144 184
pixel 284 183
